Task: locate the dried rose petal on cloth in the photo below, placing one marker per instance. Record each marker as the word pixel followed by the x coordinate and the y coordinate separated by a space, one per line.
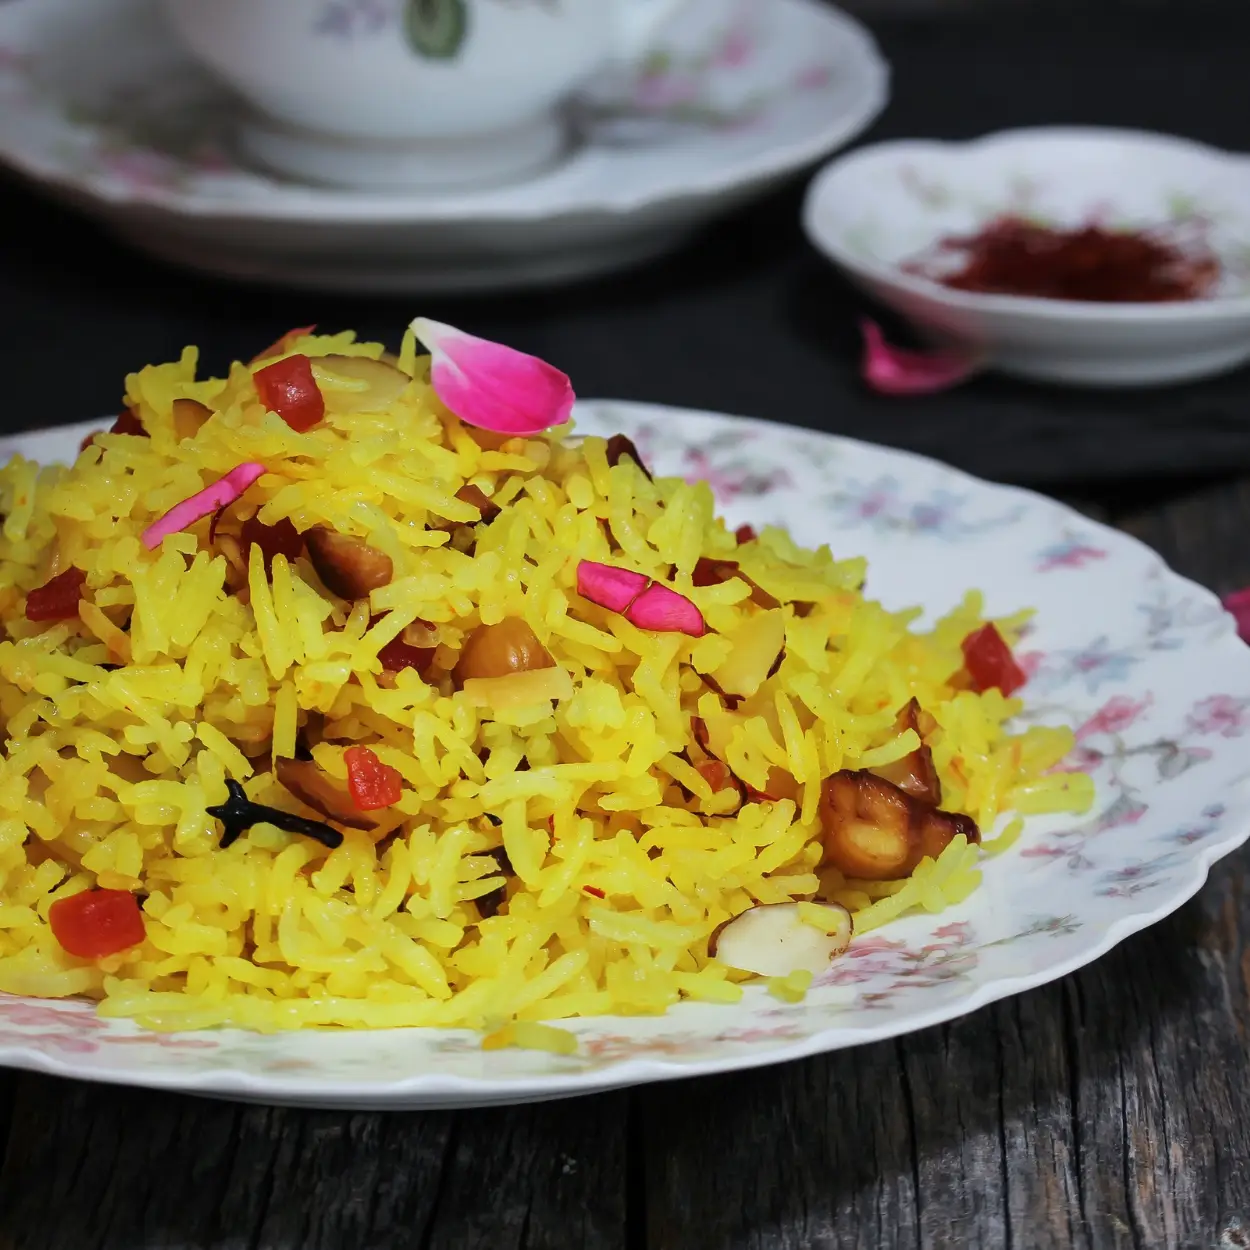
pixel 898 371
pixel 1238 603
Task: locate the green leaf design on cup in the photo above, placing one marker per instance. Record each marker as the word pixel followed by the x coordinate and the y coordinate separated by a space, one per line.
pixel 436 29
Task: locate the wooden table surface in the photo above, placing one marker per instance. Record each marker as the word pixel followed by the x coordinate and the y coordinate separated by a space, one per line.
pixel 1111 1108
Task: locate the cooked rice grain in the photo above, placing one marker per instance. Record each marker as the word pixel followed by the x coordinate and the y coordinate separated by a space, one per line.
pixel 618 859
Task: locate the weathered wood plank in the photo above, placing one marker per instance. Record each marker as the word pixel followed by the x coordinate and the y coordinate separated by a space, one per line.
pixel 1112 1109
pixel 1156 1062
pixel 8 1081
pixel 96 1167
pixel 536 1177
pixel 1044 1202
pixel 106 1169
pixel 1202 535
pixel 815 1154
pixel 1087 506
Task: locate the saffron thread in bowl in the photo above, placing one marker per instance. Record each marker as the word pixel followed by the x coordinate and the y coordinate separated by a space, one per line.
pixel 1092 263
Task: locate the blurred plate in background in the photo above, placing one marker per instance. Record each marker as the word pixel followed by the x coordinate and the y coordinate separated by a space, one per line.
pixel 99 106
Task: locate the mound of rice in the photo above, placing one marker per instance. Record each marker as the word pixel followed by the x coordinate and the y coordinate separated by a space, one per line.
pixel 555 851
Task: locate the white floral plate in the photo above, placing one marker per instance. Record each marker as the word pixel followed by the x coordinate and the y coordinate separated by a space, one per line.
pixel 1144 664
pixel 99 105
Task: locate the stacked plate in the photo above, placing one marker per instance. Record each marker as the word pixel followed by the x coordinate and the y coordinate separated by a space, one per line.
pixel 736 97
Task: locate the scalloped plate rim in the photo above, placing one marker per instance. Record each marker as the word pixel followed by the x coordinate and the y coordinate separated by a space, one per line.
pixel 344 207
pixel 446 1091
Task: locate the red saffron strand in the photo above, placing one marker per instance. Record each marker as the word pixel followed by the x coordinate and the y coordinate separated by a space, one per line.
pixel 1092 263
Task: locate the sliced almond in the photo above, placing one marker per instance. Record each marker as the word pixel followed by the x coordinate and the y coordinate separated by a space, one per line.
pixel 358 383
pixel 313 786
pixel 479 499
pixel 349 567
pixel 756 644
pixel 620 445
pixel 915 773
pixel 781 785
pixel 709 572
pixel 716 732
pixel 188 415
pixel 487 440
pixel 420 634
pixel 773 940
pixel 519 691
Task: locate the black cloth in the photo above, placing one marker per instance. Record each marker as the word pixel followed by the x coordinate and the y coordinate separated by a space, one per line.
pixel 746 318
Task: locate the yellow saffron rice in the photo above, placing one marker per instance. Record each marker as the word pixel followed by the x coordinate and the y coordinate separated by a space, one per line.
pixel 122 725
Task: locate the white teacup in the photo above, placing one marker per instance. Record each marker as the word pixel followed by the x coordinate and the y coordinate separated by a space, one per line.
pixel 410 93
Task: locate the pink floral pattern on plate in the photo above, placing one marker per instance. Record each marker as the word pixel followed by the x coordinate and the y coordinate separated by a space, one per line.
pixel 1145 665
pixel 1074 550
pixel 724 67
pixel 678 83
pixel 885 506
pixel 680 86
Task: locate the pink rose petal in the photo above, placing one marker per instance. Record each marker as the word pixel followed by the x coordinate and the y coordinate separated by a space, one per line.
pixel 494 387
pixel 222 492
pixel 1238 603
pixel 897 371
pixel 664 611
pixel 609 587
pixel 641 601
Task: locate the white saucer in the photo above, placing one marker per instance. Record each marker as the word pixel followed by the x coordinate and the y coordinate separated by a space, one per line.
pixel 875 209
pixel 100 107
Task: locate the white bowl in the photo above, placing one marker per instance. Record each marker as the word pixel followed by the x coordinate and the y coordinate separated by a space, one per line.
pixel 880 206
